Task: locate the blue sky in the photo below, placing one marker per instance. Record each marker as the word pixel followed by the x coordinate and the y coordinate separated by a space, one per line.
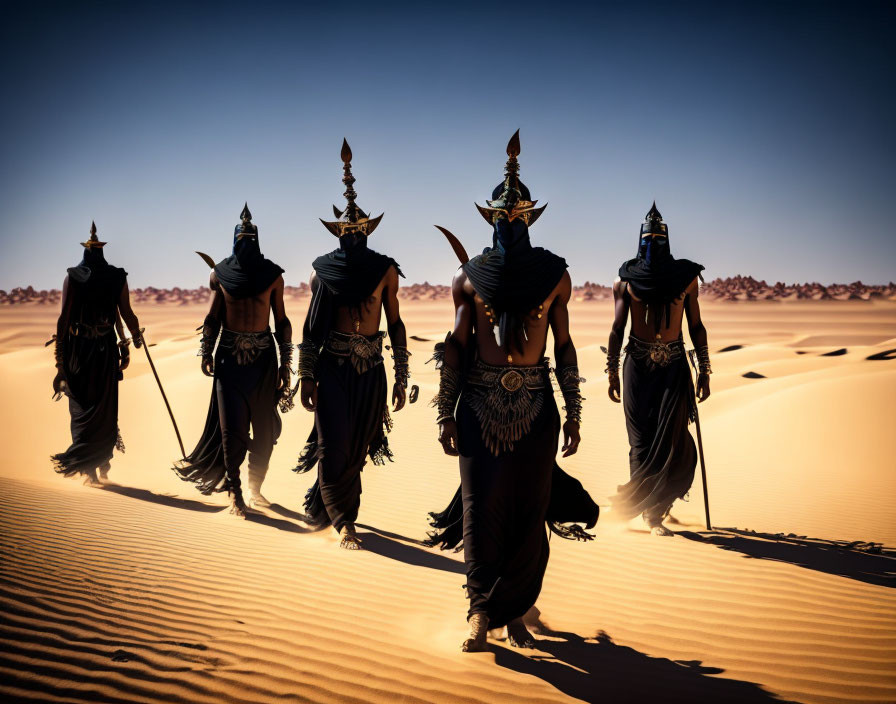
pixel 763 131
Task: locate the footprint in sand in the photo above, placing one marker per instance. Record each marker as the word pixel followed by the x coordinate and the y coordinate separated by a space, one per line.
pixel 753 375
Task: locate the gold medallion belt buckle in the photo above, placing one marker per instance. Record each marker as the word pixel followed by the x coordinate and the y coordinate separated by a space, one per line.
pixel 511 380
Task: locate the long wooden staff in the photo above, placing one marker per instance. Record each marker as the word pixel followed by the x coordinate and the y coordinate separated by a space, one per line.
pixel 152 366
pixel 692 355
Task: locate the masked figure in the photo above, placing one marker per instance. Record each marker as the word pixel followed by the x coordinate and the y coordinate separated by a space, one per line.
pixel 658 290
pixel 248 381
pixel 89 362
pixel 496 411
pixel 343 380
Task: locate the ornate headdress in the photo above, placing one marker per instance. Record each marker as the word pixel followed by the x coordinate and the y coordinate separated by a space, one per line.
pixel 653 224
pixel 352 219
pixel 245 228
pixel 93 241
pixel 511 198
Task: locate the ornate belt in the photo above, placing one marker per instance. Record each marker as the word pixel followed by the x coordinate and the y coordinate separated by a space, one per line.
pixel 245 346
pixel 364 351
pixel 656 353
pixel 90 331
pixel 504 403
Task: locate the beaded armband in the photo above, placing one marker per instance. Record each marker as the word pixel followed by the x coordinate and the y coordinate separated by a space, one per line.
pixel 570 381
pixel 400 357
pixel 703 360
pixel 308 354
pixel 449 391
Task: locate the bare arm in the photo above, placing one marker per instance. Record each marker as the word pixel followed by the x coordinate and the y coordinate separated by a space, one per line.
pixel 455 352
pixel 558 317
pixel 399 338
pixel 128 315
pixel 697 331
pixel 61 326
pixel 696 328
pixel 566 361
pixel 394 324
pixel 622 304
pixel 308 386
pixel 283 335
pixel 211 326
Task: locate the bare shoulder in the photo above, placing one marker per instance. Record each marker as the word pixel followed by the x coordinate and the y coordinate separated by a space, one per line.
pixel 213 281
pixel 619 287
pixel 390 278
pixel 563 289
pixel 312 280
pixel 693 287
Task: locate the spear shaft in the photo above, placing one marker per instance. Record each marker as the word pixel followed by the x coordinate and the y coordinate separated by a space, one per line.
pixel 692 356
pixel 152 366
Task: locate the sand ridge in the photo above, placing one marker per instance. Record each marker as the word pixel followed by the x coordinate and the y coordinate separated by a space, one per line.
pixel 148 591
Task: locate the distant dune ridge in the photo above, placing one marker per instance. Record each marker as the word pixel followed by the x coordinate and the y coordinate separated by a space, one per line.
pixel 736 288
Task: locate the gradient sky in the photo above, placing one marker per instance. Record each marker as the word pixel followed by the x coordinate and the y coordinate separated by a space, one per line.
pixel 763 130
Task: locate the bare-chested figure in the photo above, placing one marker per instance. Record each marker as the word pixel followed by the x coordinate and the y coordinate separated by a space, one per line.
pixel 247 288
pixel 658 291
pixel 496 412
pixel 89 363
pixel 343 380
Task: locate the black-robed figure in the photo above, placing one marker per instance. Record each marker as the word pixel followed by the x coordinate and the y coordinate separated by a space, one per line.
pixel 658 290
pixel 89 360
pixel 248 382
pixel 497 413
pixel 341 370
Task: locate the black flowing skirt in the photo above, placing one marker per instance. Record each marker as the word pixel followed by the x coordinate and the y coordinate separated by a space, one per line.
pixel 252 386
pixel 350 425
pixel 659 404
pixel 91 373
pixel 505 501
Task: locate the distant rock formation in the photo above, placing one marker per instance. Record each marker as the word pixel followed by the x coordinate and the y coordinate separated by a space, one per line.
pixel 737 288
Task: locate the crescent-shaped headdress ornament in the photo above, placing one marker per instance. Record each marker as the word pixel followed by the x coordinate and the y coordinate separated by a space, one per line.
pixel 352 219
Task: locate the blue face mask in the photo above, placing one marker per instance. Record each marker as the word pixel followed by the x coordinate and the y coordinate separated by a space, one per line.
pixel 508 234
pixel 654 249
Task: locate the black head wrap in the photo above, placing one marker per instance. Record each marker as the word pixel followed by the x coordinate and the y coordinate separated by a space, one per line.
pixel 246 272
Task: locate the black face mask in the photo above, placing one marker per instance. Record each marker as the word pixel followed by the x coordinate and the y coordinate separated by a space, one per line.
pixel 654 249
pixel 93 257
pixel 353 242
pixel 246 250
pixel 509 235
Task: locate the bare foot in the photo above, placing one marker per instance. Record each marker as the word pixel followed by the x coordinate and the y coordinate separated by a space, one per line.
pixel 350 539
pixel 475 642
pixel 237 505
pixel 91 480
pixel 518 635
pixel 104 470
pixel 256 500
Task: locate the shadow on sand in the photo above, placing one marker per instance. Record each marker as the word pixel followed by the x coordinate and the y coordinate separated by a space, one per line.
pixel 398 547
pixel 598 670
pixel 865 562
pixel 163 499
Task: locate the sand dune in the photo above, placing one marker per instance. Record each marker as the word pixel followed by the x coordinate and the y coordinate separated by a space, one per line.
pixel 147 591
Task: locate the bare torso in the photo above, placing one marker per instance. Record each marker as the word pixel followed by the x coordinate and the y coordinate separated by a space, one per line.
pixel 536 321
pixel 364 318
pixel 643 319
pixel 246 314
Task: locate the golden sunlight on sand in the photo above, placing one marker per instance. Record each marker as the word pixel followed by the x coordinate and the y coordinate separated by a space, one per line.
pixel 148 591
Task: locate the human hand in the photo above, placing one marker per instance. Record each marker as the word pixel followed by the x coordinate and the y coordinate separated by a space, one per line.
pixel 571 438
pixel 308 394
pixel 614 391
pixel 399 397
pixel 208 365
pixel 448 436
pixel 702 387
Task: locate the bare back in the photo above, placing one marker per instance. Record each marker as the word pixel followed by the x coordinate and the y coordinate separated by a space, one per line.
pixel 536 322
pixel 245 314
pixel 643 319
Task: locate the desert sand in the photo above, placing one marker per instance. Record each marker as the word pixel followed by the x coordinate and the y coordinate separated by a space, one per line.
pixel 147 591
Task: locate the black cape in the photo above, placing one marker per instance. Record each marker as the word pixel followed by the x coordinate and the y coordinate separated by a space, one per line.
pixel 246 272
pixel 345 280
pixel 513 281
